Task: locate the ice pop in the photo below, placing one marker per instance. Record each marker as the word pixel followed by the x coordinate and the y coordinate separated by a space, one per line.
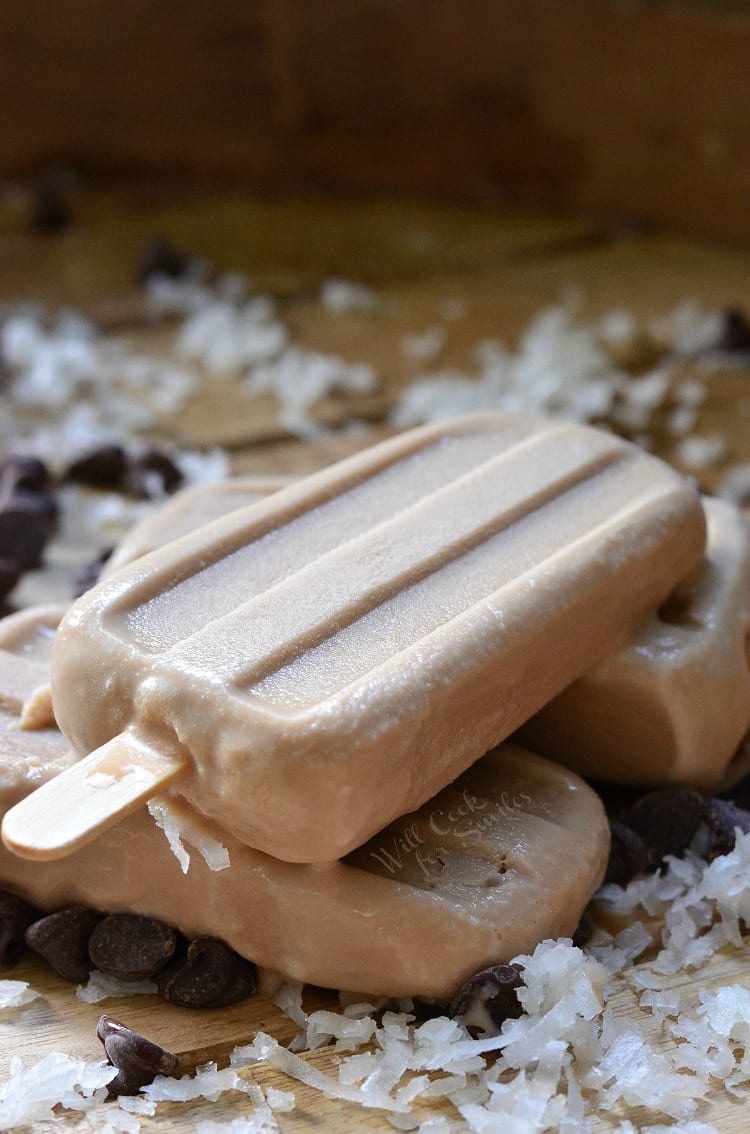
pixel 507 856
pixel 670 706
pixel 188 510
pixel 673 705
pixel 309 668
pixel 26 645
pixel 26 759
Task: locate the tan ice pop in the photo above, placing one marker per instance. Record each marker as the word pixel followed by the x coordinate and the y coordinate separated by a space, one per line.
pixel 670 706
pixel 673 704
pixel 504 858
pixel 309 668
pixel 188 510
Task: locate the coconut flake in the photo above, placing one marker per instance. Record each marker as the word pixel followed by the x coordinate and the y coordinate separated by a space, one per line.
pixel 342 297
pixel 29 1094
pixel 120 1122
pixel 701 452
pixel 177 824
pixel 15 993
pixel 424 347
pixel 207 1083
pixel 299 378
pixel 101 986
pixel 266 1049
pixel 136 1104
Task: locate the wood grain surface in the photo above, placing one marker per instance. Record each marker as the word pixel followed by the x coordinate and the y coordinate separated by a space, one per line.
pixel 626 110
pixel 504 268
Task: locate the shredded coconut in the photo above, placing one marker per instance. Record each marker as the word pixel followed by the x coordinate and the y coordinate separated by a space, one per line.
pixel 424 347
pixel 701 452
pixel 101 986
pixel 177 825
pixel 299 378
pixel 16 993
pixel 29 1094
pixel 120 1122
pixel 343 296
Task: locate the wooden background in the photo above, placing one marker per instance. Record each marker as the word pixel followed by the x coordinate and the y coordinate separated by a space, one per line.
pixel 617 108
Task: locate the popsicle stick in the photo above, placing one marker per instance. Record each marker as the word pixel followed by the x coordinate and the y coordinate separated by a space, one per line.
pixel 90 796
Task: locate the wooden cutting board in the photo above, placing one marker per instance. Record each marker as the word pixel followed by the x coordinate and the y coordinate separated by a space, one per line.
pixel 61 1022
pixel 504 269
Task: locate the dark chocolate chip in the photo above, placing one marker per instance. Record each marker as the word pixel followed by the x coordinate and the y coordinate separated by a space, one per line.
pixel 628 855
pixel 24 530
pixel 10 573
pixel 211 976
pixel 62 938
pixel 666 820
pixel 739 792
pixel 131 947
pixel 584 931
pixel 722 817
pixel 50 211
pixel 16 916
pixel 21 471
pixel 104 467
pixel 137 1059
pixel 162 259
pixel 88 575
pixel 489 998
pixel 151 474
pixel 734 335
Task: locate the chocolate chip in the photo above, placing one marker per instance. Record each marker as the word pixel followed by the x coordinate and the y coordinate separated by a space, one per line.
pixel 666 820
pixel 162 259
pixel 739 793
pixel 88 575
pixel 489 998
pixel 104 467
pixel 50 212
pixel 131 947
pixel 734 335
pixel 151 474
pixel 10 573
pixel 16 916
pixel 628 855
pixel 62 938
pixel 21 471
pixel 137 1059
pixel 211 976
pixel 584 931
pixel 721 819
pixel 24 530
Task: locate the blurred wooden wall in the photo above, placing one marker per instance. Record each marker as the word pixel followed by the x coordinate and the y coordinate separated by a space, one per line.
pixel 622 109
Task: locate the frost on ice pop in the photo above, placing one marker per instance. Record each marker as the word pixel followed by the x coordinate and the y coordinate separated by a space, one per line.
pixel 329 658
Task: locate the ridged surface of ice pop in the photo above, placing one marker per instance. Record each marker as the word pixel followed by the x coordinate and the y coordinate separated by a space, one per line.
pixel 673 704
pixel 505 857
pixel 187 510
pixel 331 657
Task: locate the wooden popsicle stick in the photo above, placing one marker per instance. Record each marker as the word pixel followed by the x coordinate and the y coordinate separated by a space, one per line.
pixel 93 794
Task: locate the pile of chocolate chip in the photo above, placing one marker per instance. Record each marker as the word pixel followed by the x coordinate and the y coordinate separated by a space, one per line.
pixel 668 821
pixel 29 504
pixel 202 973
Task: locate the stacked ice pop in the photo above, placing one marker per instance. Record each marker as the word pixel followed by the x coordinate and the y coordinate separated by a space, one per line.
pixel 312 671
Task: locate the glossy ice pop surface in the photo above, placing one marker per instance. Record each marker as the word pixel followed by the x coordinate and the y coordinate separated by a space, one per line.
pixel 329 658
